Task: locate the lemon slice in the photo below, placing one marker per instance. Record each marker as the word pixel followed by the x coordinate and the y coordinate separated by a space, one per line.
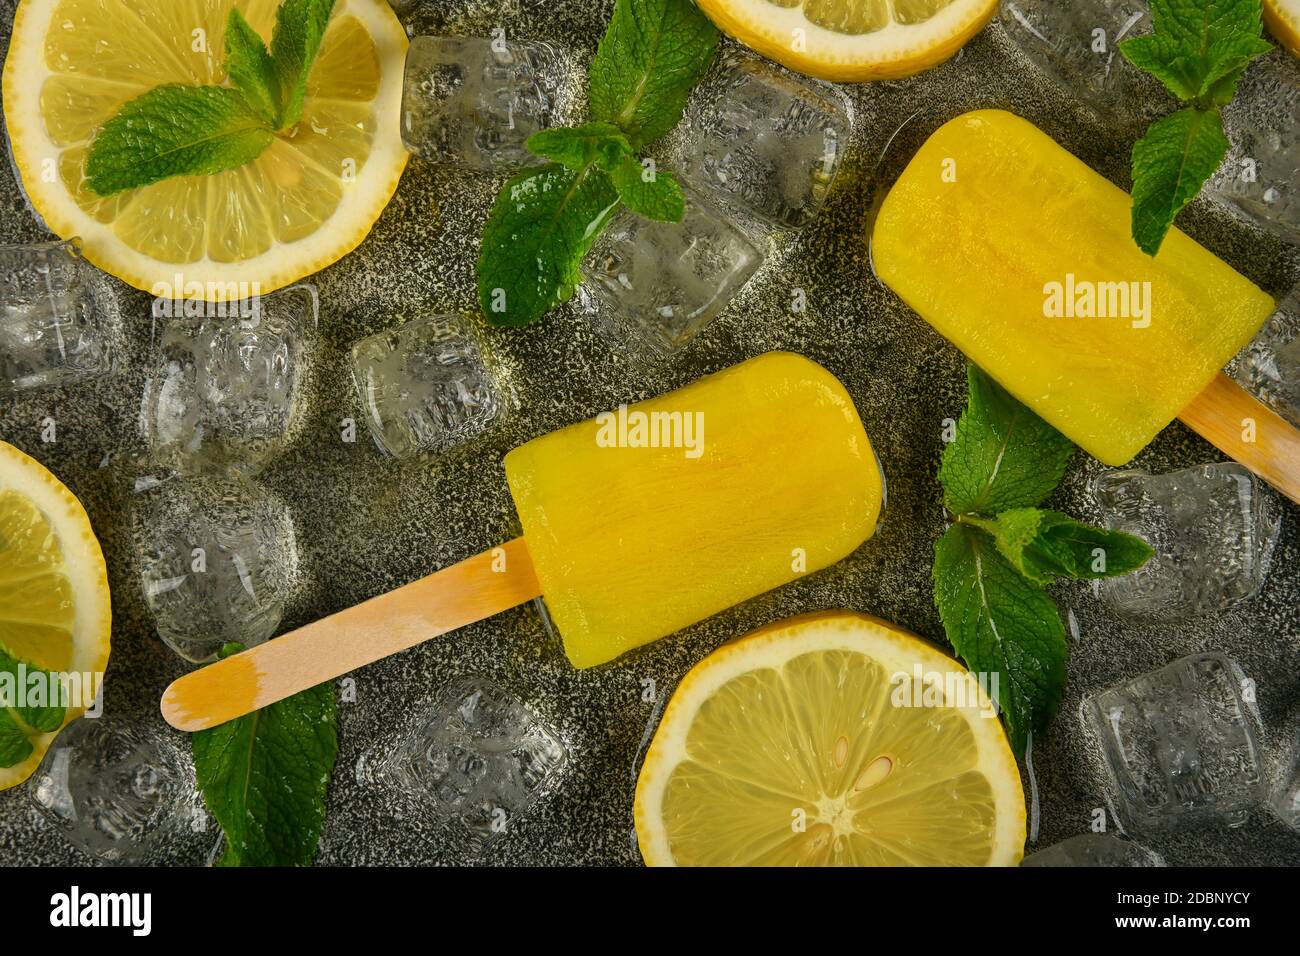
pixel 812 743
pixel 303 204
pixel 852 40
pixel 1283 19
pixel 55 612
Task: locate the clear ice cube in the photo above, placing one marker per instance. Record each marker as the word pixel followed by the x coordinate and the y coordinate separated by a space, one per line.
pixel 478 760
pixel 427 386
pixel 765 140
pixel 1180 742
pixel 227 389
pixel 115 790
pixel 1075 45
pixel 217 556
pixel 651 286
pixel 1270 366
pixel 1212 527
pixel 474 102
pixel 1094 849
pixel 59 319
pixel 1260 177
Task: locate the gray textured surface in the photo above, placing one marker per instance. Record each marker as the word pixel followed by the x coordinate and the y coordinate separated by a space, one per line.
pixel 366 526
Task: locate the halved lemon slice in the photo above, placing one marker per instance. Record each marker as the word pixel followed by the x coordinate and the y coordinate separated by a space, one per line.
pixel 853 40
pixel 830 739
pixel 55 612
pixel 303 204
pixel 1283 19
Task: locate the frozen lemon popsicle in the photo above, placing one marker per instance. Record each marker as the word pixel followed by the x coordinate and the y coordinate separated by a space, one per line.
pixel 1022 257
pixel 637 524
pixel 761 472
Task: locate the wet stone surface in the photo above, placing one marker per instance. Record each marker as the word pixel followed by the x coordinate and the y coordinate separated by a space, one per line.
pixel 365 524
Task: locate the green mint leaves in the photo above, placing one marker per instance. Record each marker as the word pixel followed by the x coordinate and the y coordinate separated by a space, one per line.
pixel 1045 545
pixel 1001 623
pixel 265 776
pixel 992 565
pixel 20 726
pixel 299 29
pixel 1170 165
pixel 543 223
pixel 546 219
pixel 251 69
pixel 175 131
pixel 1199 50
pixel 1003 456
pixel 653 54
pixel 178 130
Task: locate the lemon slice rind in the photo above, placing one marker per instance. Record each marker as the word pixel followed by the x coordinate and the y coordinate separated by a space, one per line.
pixel 773 647
pixel 896 50
pixel 284 262
pixel 83 563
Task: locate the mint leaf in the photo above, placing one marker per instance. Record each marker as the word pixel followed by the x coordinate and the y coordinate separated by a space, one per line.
pixel 654 195
pixel 175 130
pixel 577 148
pixel 650 58
pixel 34 719
pixel 20 726
pixel 1170 165
pixel 543 223
pixel 1197 44
pixel 265 777
pixel 299 28
pixel 15 745
pixel 251 68
pixel 1166 59
pixel 1004 456
pixel 1045 545
pixel 999 622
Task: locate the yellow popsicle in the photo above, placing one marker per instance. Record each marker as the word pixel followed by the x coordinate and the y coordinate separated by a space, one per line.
pixel 1022 257
pixel 762 472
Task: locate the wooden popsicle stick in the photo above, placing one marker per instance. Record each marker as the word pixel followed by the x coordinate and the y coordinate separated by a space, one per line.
pixel 1223 415
pixel 470 591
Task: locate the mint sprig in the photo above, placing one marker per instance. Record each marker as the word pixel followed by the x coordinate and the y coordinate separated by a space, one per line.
pixel 543 223
pixel 265 776
pixel 1199 49
pixel 546 219
pixel 20 726
pixel 992 565
pixel 179 130
pixel 649 60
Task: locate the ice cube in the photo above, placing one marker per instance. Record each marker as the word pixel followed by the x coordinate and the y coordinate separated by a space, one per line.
pixel 1075 45
pixel 478 761
pixel 227 389
pixel 59 319
pixel 1285 800
pixel 1180 742
pixel 427 386
pixel 114 789
pixel 1212 527
pixel 1094 849
pixel 650 287
pixel 766 140
pixel 1270 365
pixel 217 557
pixel 474 102
pixel 1260 177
